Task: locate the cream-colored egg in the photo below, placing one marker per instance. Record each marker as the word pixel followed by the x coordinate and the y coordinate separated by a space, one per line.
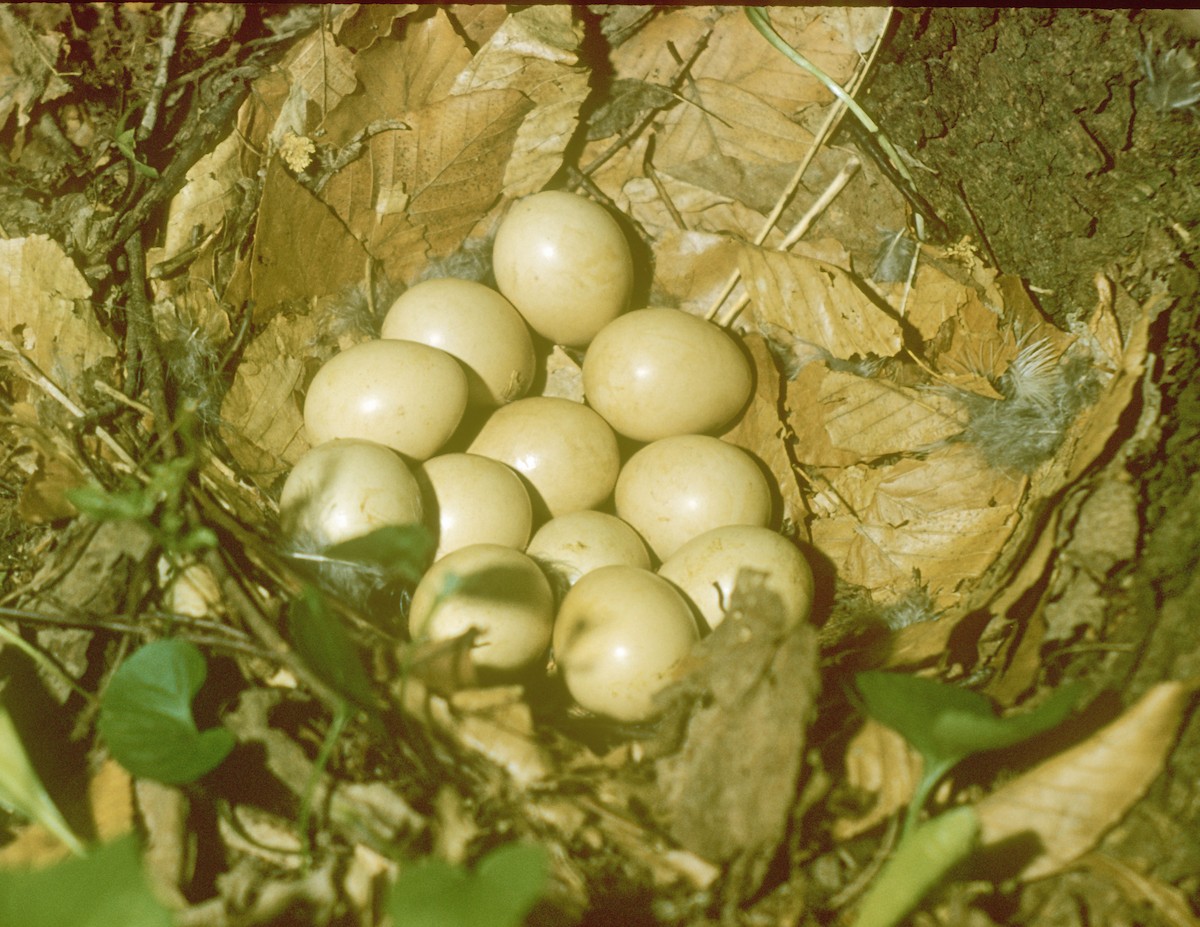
pixel 675 489
pixel 498 592
pixel 346 488
pixel 406 395
pixel 619 634
pixel 564 449
pixel 475 500
pixel 563 261
pixel 705 570
pixel 653 373
pixel 476 325
pixel 577 543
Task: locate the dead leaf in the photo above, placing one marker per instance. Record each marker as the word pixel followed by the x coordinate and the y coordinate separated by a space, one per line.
pixel 44 313
pixel 43 499
pixel 27 74
pixel 362 24
pixel 866 418
pixel 760 431
pixel 262 421
pixel 1070 801
pixel 400 75
pixel 286 266
pixel 731 142
pixel 747 703
pixel 535 52
pixel 945 517
pixel 879 761
pixel 818 305
pixel 451 167
pixel 210 193
pixel 322 72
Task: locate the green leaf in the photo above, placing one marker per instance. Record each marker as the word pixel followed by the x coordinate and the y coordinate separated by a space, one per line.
pixel 22 792
pixel 104 888
pixel 499 893
pixel 919 863
pixel 146 715
pixel 324 645
pixel 401 551
pixel 102 505
pixel 946 723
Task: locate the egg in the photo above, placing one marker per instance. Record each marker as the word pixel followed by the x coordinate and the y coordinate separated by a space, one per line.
pixel 654 373
pixel 564 449
pixel 475 500
pixel 675 489
pixel 620 633
pixel 563 261
pixel 496 591
pixel 346 488
pixel 573 545
pixel 406 395
pixel 477 326
pixel 706 568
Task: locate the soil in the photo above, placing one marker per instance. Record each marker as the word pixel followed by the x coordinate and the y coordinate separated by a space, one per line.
pixel 1043 144
pixel 1050 138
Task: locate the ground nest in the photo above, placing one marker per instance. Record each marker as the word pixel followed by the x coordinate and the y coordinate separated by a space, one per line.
pixel 968 329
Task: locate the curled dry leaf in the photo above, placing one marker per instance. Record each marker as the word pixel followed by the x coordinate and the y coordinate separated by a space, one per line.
pixel 43 314
pixel 819 305
pixel 945 517
pixel 745 707
pixel 880 763
pixel 1066 804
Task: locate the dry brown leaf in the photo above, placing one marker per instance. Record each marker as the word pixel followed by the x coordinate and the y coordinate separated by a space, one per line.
pixel 874 418
pixel 879 761
pixel 945 517
pixel 362 24
pixel 478 21
pixel 690 269
pixel 418 193
pixel 262 424
pixel 737 54
pixel 760 431
pixel 43 498
pixel 321 72
pixel 1068 802
pixel 210 192
pixel 535 51
pixel 747 702
pixel 818 305
pixel 27 74
pixel 43 313
pixel 400 75
pixel 284 265
pixel 646 54
pixel 731 142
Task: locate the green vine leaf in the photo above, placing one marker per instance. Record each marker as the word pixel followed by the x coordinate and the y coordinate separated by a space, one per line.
pixel 146 715
pixel 946 723
pixel 499 893
pixel 106 887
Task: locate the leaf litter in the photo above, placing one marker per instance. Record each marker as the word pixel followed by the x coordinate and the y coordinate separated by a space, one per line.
pixel 933 439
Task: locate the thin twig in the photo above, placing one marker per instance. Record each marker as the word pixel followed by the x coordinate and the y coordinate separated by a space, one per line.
pixel 800 228
pixel 827 126
pixel 638 127
pixel 145 340
pixel 663 194
pixel 166 51
pixel 39 379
